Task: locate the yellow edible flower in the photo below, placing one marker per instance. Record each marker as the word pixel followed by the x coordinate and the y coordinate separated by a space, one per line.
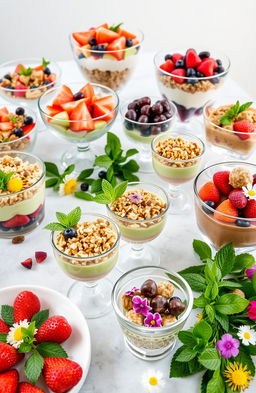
pixel 14 185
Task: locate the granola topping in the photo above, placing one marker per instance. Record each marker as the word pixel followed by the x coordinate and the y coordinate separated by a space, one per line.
pixel 240 177
pixel 201 86
pixel 215 114
pixel 112 79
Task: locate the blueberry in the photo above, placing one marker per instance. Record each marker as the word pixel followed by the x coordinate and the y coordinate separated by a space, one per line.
pixel 146 131
pixel 215 80
pixel 191 72
pixel 129 42
pixel 168 57
pixel 1 80
pixel 102 174
pixel 28 120
pixel 81 56
pixel 46 82
pixel 128 125
pixel 20 111
pixel 78 96
pixel 19 132
pixel 192 81
pixel 84 187
pixel 243 223
pixel 165 126
pixel 33 87
pixel 220 69
pixel 199 74
pixel 47 71
pixel 180 64
pixel 102 47
pixel 69 233
pixel 94 47
pixel 210 204
pixel 92 41
pixel 219 62
pixel 204 54
pixel 9 87
pixel 7 76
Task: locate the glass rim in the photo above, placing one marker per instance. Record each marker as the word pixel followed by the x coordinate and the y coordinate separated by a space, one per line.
pixel 178 135
pixel 240 163
pixel 28 155
pixel 96 215
pixel 49 91
pixel 128 101
pixel 162 329
pixel 58 75
pixel 148 219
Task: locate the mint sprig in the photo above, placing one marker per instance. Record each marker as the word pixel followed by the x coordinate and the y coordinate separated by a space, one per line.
pixel 109 194
pixel 233 112
pixel 7 314
pixel 40 317
pixel 13 119
pixel 65 220
pixel 45 63
pixel 25 71
pixel 55 177
pixel 33 367
pixel 4 178
pixel 115 28
pixel 51 349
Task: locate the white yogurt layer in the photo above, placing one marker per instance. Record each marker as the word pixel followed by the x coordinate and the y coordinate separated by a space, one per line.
pixel 108 64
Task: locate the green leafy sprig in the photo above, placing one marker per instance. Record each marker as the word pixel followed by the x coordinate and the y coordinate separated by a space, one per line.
pixel 55 177
pixel 25 71
pixel 233 112
pixel 109 194
pixel 115 28
pixel 4 178
pixel 45 63
pixel 13 119
pixel 65 220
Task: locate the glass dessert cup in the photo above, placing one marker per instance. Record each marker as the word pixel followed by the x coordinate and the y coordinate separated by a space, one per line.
pixel 177 172
pixel 143 133
pixel 28 97
pixel 109 68
pixel 214 230
pixel 81 154
pixel 138 232
pixel 149 343
pixel 25 143
pixel 191 97
pixel 21 212
pixel 91 290
pixel 223 139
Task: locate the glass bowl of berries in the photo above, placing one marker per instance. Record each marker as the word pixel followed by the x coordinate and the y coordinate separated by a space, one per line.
pixel 144 118
pixel 107 54
pixel 225 204
pixel 152 304
pixel 189 78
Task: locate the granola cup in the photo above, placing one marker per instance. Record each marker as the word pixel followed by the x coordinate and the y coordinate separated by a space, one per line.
pixel 21 212
pixel 149 343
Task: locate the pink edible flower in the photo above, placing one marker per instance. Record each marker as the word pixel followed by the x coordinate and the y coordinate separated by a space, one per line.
pixel 153 320
pixel 250 272
pixel 140 305
pixel 135 197
pixel 252 309
pixel 228 346
pixel 132 291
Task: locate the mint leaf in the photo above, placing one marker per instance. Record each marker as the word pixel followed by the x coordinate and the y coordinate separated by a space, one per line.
pixel 62 218
pixel 200 302
pixel 120 189
pixel 196 281
pixel 51 182
pixel 115 28
pixel 96 186
pixel 131 166
pixel 55 226
pixel 74 216
pixel 243 261
pixel 254 282
pixel 51 349
pixel 231 113
pixel 245 359
pixel 202 330
pixel 127 175
pixel 3 337
pixel 223 321
pixel 231 303
pixel 179 369
pixel 101 198
pixel 225 259
pixel 25 347
pixel 103 161
pixel 216 383
pixel 187 338
pixel 210 359
pixel 130 152
pixel 4 178
pixel 192 269
pixel 25 71
pixel 13 119
pixel 110 175
pixel 85 174
pixel 229 284
pixel 51 169
pixel 69 170
pixel 45 63
pixel 108 190
pixel 210 312
pixel 84 195
pixel 7 314
pixel 40 317
pixel 33 367
pixel 202 249
pixel 245 106
pixel 206 378
pixel 113 146
pixel 186 355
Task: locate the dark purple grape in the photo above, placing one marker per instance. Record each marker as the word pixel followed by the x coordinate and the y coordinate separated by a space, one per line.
pixel 156 119
pixel 155 130
pixel 143 119
pixel 131 115
pixel 165 126
pixel 166 105
pixel 144 101
pixel 162 117
pixel 129 125
pixel 133 105
pixel 145 110
pixel 159 303
pixel 157 108
pixel 145 131
pixel 168 115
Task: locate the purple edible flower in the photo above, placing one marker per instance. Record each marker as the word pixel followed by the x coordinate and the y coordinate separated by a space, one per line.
pixel 153 320
pixel 250 272
pixel 140 305
pixel 228 346
pixel 132 291
pixel 135 197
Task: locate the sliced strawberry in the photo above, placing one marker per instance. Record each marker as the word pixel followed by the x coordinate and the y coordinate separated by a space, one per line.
pixel 52 77
pixel 100 110
pixel 38 68
pixel 118 45
pixel 192 59
pixel 83 37
pixel 64 95
pixel 19 90
pixel 105 25
pixel 4 114
pixel 70 106
pixel 27 263
pixel 126 33
pixel 215 64
pixel 6 126
pixel 83 118
pixel 168 66
pixel 16 221
pixel 18 68
pixel 176 57
pixel 206 67
pixel 88 90
pixel 36 212
pixel 209 192
pixel 244 127
pixel 180 72
pixel 28 128
pixel 105 35
pixel 226 207
pixel 40 256
pixel 53 110
pixel 221 181
pixel 107 101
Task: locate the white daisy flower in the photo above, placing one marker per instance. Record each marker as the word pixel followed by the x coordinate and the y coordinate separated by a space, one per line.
pixel 153 381
pixel 14 337
pixel 69 186
pixel 250 191
pixel 247 335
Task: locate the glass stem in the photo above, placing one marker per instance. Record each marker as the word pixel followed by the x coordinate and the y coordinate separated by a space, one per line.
pixel 145 153
pixel 174 191
pixel 137 250
pixel 92 287
pixel 83 147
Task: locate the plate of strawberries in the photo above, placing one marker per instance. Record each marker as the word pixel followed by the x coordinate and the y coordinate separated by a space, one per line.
pixel 45 342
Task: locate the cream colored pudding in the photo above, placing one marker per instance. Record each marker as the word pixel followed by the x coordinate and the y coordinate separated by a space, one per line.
pixel 85 136
pixel 135 135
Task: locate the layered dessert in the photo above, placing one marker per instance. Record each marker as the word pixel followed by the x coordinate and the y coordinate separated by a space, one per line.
pixel 143 119
pixel 16 129
pixel 190 79
pixel 176 159
pixel 226 204
pixel 231 126
pixel 22 192
pixel 27 82
pixel 140 215
pixel 106 54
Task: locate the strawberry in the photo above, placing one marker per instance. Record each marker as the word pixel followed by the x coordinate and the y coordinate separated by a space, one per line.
pixel 238 198
pixel 250 210
pixel 6 126
pixel 254 178
pixel 56 329
pixel 221 181
pixel 61 374
pixel 16 221
pixel 226 207
pixel 206 67
pixel 40 256
pixel 168 66
pixel 64 95
pixel 18 68
pixel 192 59
pixel 180 72
pixel 26 304
pixel 3 327
pixel 25 387
pixel 244 127
pixel 83 37
pixel 19 90
pixel 28 128
pixel 27 263
pixel 176 57
pixel 105 35
pixel 9 381
pixel 209 192
pixel 83 120
pixel 9 357
pixel 118 47
pixel 36 212
pixel 215 64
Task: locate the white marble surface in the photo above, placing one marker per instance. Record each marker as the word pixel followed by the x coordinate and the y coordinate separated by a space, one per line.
pixel 113 368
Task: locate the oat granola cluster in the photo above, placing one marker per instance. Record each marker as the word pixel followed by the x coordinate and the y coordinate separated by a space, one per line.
pixel 215 114
pixel 240 177
pixel 200 86
pixel 112 79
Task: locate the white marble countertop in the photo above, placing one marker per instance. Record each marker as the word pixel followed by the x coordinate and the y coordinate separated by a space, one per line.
pixel 113 368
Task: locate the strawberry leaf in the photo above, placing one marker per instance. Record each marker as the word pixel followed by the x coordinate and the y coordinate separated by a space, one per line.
pixel 33 367
pixel 51 349
pixel 3 337
pixel 7 314
pixel 25 348
pixel 40 317
pixel 45 63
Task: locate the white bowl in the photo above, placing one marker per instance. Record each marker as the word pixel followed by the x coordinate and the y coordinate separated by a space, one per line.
pixel 78 346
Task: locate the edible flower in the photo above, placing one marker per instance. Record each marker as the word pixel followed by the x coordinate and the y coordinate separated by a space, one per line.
pixel 238 376
pixel 140 305
pixel 252 309
pixel 132 291
pixel 153 381
pixel 250 191
pixel 15 336
pixel 250 272
pixel 247 335
pixel 69 186
pixel 228 346
pixel 135 197
pixel 14 184
pixel 153 320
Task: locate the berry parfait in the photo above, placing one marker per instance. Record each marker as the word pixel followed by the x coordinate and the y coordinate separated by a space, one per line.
pixel 144 118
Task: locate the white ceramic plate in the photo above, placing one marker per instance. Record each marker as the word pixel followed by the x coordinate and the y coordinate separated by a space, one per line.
pixel 78 346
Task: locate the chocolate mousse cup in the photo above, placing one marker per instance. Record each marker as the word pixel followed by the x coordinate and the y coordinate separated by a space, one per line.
pixel 216 231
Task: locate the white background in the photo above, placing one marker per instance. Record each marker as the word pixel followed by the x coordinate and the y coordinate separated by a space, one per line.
pixel 31 28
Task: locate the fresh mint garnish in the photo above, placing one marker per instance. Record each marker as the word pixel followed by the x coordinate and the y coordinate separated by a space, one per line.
pixel 51 349
pixel 33 367
pixel 45 63
pixel 3 337
pixel 4 178
pixel 40 317
pixel 55 177
pixel 233 112
pixel 65 220
pixel 115 28
pixel 109 194
pixel 7 314
pixel 25 71
pixel 13 119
